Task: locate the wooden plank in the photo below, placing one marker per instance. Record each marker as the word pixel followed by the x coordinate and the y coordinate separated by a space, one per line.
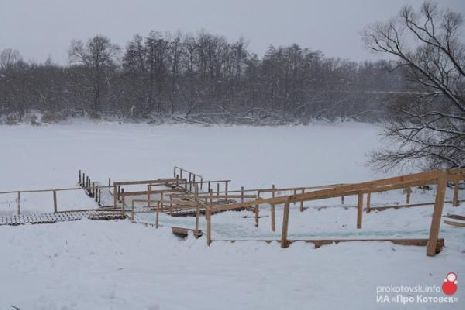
pixel 285 226
pixel 453 223
pixel 438 207
pixel 353 189
pixel 456 217
pixel 180 232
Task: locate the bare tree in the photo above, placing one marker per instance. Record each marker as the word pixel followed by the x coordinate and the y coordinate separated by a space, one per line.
pixel 9 57
pixel 430 123
pixel 98 57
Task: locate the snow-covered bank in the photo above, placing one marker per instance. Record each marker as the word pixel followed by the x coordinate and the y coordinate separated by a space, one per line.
pixel 120 265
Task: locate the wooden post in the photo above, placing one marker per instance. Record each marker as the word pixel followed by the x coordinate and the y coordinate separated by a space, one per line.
pixel 226 190
pixel 456 201
pixel 197 207
pixel 257 211
pixel 109 183
pixel 342 200
pixel 100 195
pixel 123 212
pixel 209 226
pixel 80 177
pixel 133 211
pixel 201 183
pixel 408 191
pixel 368 202
pixel 242 194
pixel 273 211
pixel 115 198
pixel 217 189
pixel 18 211
pixel 295 193
pixel 83 184
pixel 284 242
pixel 302 202
pixel 55 203
pixel 359 210
pixel 209 186
pixel 437 213
pixel 161 201
pixel 211 196
pixel 157 215
pixel 171 204
pixel 149 194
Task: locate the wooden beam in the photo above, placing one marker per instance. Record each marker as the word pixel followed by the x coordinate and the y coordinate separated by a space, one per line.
pixel 284 231
pixel 18 211
pixel 438 207
pixel 352 189
pixel 55 203
pixel 209 226
pixel 359 210
pixel 368 208
pixel 273 211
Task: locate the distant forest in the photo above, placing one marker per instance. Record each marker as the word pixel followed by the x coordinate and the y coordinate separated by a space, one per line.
pixel 196 78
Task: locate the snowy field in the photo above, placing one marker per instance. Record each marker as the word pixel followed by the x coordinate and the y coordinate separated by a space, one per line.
pixel 121 265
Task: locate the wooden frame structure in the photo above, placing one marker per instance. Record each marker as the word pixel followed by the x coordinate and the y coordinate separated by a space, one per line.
pixel 440 178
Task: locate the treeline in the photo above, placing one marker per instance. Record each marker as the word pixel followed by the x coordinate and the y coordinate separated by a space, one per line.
pixel 200 77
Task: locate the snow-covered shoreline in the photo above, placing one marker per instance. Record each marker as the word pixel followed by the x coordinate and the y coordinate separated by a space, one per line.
pixel 122 265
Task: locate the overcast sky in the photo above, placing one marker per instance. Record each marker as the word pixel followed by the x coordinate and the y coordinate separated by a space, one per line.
pixel 42 28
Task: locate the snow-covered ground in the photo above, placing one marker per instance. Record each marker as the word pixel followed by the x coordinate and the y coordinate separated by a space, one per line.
pixel 121 265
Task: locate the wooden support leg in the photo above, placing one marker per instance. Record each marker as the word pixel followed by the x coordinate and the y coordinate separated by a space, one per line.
pixel 18 211
pixel 273 210
pixel 197 207
pixel 55 203
pixel 359 210
pixel 133 213
pixel 284 242
pixel 342 200
pixel 209 226
pixel 302 202
pixel 456 201
pixel 157 215
pixel 368 202
pixel 115 197
pixel 408 192
pixel 437 214
pixel 257 210
pixel 273 218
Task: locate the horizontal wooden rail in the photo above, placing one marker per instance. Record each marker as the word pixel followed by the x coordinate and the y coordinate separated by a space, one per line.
pixel 141 182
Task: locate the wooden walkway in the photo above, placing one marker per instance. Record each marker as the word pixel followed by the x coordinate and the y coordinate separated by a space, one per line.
pixel 47 218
